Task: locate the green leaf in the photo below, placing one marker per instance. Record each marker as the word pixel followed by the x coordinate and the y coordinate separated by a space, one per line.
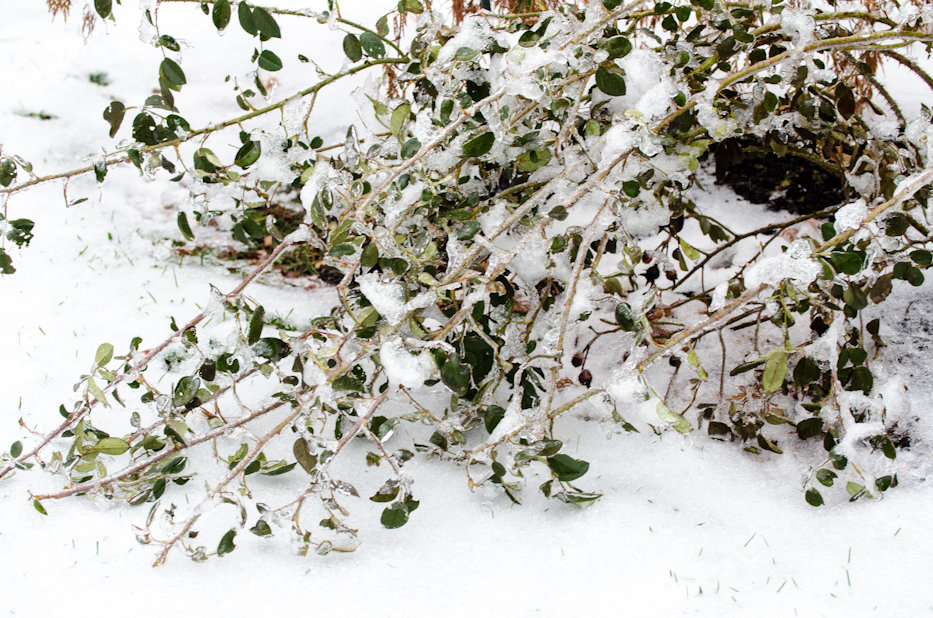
pixel 861 380
pixel 478 146
pixel 775 370
pixel 6 264
pixel 370 256
pixel 676 420
pixel 280 470
pixel 109 446
pixel 611 5
pixel 184 227
pixel 399 116
pixel 845 101
pixel 456 376
pixel 625 317
pixel 846 262
pixel 268 29
pixel 618 47
pixel 114 116
pixel 39 507
pixel 541 448
pixel 559 213
pixel 631 187
pixel 806 371
pixel 269 61
pixel 921 256
pixel 185 390
pixel 342 250
pixel 226 542
pixel 887 447
pixel 169 43
pixel 372 45
pixel 410 148
pixel 305 459
pixel 395 516
pixel 689 251
pixel 248 154
pixel 271 348
pixel 104 354
pixel 814 498
pixel 883 483
pixel 810 428
pixel 567 468
pixel 172 73
pixel 246 19
pixel 611 83
pixel 261 529
pixel 175 466
pixel 386 493
pixel 494 414
pixel 7 172
pixel 103 8
pixel 255 325
pixel 95 392
pixel 221 14
pixel 16 449
pixel 352 48
pixel 825 477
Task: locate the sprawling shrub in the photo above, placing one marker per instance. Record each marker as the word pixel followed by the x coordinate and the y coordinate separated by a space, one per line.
pixel 519 195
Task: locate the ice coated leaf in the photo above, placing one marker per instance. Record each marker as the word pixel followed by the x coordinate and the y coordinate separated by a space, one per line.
pixel 7 172
pixel 478 146
pixel 372 45
pixel 104 354
pixel 618 46
pixel 494 414
pixel 96 393
pixel 567 468
pixel 39 507
pixel 386 493
pixel 221 14
pixel 226 542
pixel 611 83
pixel 114 116
pixel 399 116
pixel 825 477
pixel 248 154
pixel 410 148
pixel 775 370
pixel 16 449
pixel 676 420
pixel 185 390
pixel 271 348
pixel 456 376
pixel 395 516
pixel 352 48
pixel 624 317
pixel 172 73
pixel 184 227
pixel 103 8
pixel 305 459
pixel 109 446
pixel 261 528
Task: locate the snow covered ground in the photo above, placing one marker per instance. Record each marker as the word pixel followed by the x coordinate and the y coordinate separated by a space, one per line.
pixel 686 526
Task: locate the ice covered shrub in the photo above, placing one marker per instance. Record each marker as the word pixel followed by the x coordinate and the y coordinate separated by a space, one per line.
pixel 516 239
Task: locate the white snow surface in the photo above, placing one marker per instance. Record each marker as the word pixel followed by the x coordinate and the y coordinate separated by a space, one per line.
pixel 686 526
